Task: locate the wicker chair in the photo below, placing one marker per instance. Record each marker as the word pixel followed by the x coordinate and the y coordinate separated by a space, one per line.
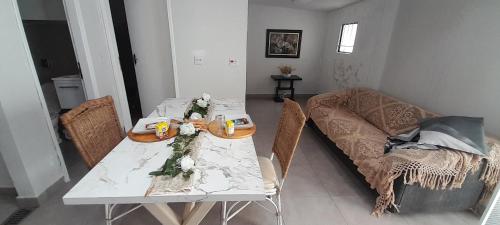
pixel 287 137
pixel 94 128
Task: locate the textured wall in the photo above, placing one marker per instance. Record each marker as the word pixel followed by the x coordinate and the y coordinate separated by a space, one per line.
pixel 365 65
pixel 444 56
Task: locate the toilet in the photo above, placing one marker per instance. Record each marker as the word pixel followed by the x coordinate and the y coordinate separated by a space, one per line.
pixel 63 94
pixel 70 91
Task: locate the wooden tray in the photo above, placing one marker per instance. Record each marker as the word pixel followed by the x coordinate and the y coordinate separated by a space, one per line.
pixel 148 138
pixel 238 133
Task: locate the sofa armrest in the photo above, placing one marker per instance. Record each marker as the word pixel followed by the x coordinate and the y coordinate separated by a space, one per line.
pixel 333 99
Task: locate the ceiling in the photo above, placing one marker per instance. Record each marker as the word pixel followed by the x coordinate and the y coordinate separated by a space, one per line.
pixel 323 5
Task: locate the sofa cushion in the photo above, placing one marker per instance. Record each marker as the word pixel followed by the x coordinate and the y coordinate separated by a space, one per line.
pixel 320 115
pixel 386 113
pixel 366 142
pixel 455 132
pixel 354 135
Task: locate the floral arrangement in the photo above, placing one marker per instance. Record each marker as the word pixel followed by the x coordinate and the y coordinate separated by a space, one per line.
pixel 180 162
pixel 199 108
pixel 286 69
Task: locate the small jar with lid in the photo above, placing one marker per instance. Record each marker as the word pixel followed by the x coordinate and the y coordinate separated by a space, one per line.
pixel 229 128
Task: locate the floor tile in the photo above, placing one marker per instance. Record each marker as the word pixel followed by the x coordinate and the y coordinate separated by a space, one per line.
pixel 356 210
pixel 7 206
pixel 312 211
pixel 436 218
pixel 303 182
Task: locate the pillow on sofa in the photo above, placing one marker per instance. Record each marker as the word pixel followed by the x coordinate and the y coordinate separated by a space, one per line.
pixel 455 132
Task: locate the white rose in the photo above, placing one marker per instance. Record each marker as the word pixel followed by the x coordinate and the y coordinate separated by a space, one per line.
pixel 187 163
pixel 195 116
pixel 187 129
pixel 201 103
pixel 205 97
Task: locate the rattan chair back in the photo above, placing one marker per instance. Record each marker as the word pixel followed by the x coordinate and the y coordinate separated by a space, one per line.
pixel 94 128
pixel 287 137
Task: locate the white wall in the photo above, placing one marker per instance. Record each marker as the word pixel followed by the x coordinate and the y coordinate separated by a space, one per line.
pixel 5 181
pixel 41 9
pixel 312 24
pixel 376 21
pixel 219 29
pixel 445 55
pixel 26 143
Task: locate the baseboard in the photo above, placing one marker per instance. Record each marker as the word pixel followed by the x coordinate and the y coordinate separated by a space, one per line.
pixel 34 202
pixel 27 202
pixel 305 95
pixel 8 191
pixel 271 96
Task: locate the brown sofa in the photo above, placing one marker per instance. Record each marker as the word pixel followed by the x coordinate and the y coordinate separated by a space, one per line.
pixel 356 123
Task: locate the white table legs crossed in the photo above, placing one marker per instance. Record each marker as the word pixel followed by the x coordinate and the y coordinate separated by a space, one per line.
pixel 193 213
pixel 166 216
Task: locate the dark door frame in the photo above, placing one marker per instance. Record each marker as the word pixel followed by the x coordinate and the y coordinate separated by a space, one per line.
pixel 127 59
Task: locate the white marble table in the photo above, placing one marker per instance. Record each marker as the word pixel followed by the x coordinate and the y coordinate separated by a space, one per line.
pixel 228 170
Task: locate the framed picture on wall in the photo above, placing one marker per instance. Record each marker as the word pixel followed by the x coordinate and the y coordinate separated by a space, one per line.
pixel 283 43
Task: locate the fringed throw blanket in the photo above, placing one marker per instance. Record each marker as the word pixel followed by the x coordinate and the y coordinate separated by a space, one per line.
pixel 439 169
pixel 491 174
pixel 359 121
pixel 436 170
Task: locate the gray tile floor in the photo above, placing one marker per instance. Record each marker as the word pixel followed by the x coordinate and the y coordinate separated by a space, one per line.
pixel 7 206
pixel 318 191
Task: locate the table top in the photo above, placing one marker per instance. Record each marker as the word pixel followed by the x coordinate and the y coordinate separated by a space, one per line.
pixel 228 169
pixel 281 77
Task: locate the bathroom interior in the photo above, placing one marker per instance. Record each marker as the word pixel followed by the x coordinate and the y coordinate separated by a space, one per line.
pixel 53 54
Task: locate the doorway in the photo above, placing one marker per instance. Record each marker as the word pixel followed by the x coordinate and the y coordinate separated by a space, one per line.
pixel 146 32
pixel 127 58
pixel 51 47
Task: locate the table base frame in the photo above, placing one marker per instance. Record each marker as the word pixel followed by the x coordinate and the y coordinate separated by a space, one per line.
pixel 228 213
pixel 193 213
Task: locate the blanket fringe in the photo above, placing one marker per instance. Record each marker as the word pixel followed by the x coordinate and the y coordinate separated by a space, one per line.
pixel 490 177
pixel 437 178
pixel 423 177
pixel 491 173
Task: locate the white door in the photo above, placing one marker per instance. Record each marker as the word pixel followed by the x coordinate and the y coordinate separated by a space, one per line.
pixel 150 39
pixel 94 41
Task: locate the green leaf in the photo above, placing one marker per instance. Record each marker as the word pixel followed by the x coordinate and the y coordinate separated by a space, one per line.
pixel 156 173
pixel 172 167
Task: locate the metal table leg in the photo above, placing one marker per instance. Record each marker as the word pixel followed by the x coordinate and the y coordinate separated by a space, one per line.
pixel 108 213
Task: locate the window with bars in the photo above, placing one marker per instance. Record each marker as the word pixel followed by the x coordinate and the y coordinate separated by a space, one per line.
pixel 347 38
